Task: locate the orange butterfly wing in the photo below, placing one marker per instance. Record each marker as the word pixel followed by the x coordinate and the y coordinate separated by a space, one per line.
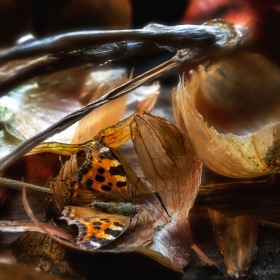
pixel 96 229
pixel 103 175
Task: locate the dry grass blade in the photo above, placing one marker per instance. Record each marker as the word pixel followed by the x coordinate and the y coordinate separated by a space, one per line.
pixel 18 226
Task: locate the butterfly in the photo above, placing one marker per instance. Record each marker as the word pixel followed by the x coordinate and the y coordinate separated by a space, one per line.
pixel 102 196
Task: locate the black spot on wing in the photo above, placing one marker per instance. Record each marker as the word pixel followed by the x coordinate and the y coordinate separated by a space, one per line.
pixel 101 170
pixel 89 182
pixel 83 232
pixel 99 178
pixel 112 232
pixel 105 220
pixel 88 245
pixel 117 224
pixel 120 184
pixel 106 188
pixel 117 170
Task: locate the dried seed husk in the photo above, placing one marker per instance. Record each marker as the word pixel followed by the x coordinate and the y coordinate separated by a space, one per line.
pixel 238 94
pixel 105 116
pixel 230 155
pixel 114 136
pixel 236 239
pixel 173 168
pixel 60 186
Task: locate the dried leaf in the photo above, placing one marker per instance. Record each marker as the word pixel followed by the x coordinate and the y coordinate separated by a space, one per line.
pixel 139 236
pixel 44 101
pixel 239 94
pixel 61 185
pixel 168 160
pixel 117 134
pixel 173 168
pixel 102 117
pixel 236 239
pixel 227 154
pixel 114 136
pixel 40 106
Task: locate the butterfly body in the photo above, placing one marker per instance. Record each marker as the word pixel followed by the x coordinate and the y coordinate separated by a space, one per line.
pixel 125 209
pixel 102 197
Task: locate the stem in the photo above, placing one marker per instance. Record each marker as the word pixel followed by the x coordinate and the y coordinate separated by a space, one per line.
pixel 18 226
pixel 18 185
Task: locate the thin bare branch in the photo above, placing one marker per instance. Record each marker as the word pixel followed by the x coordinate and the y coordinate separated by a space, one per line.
pixel 17 72
pixel 92 47
pixel 18 185
pixel 169 37
pixel 19 226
